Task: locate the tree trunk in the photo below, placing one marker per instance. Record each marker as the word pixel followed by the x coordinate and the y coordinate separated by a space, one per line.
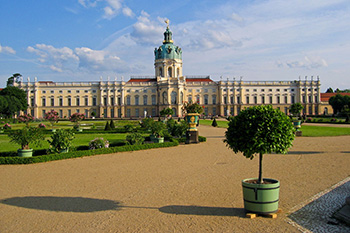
pixel 260 168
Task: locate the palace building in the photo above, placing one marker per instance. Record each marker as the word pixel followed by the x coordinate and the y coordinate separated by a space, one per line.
pixel 168 88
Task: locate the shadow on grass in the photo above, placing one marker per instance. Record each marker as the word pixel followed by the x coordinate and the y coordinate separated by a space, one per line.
pixel 63 204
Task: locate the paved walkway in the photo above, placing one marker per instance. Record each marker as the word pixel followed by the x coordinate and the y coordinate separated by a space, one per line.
pixel 189 188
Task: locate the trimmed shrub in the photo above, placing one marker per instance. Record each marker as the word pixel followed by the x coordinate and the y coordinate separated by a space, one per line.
pixel 98 143
pixel 77 154
pixel 107 127
pixel 111 124
pixel 135 138
pixel 214 124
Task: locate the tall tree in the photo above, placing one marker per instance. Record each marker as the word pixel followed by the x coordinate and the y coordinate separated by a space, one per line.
pixel 15 78
pixel 337 103
pixel 329 90
pixel 16 100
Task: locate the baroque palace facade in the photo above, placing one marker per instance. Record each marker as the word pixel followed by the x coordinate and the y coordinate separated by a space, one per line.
pixel 147 96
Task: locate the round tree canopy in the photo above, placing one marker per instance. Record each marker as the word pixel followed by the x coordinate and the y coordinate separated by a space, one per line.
pixel 260 130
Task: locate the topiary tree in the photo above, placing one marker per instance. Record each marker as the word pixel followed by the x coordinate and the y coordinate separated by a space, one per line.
pixel 166 112
pixel 111 124
pixel 295 109
pixel 214 124
pixel 260 130
pixel 107 126
pixel 135 138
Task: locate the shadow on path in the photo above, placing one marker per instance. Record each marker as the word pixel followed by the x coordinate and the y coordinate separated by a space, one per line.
pixel 64 204
pixel 203 210
pixel 304 152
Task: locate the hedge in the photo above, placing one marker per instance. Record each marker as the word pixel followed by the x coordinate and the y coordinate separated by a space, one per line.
pixel 77 154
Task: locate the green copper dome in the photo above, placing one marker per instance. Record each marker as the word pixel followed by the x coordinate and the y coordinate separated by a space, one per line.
pixel 168 50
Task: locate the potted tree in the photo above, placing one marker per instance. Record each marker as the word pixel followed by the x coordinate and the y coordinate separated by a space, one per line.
pixel 157 129
pixel 192 111
pixel 52 117
pixel 295 110
pixel 166 112
pixel 61 141
pixel 76 118
pixel 24 137
pixel 93 114
pixel 255 131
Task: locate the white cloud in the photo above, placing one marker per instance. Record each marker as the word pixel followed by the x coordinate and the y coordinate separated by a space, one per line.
pixel 86 59
pixel 146 30
pixel 88 3
pixel 128 12
pixel 7 49
pixel 309 62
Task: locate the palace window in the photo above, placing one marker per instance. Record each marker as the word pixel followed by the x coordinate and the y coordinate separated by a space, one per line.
pixel 60 101
pixel 52 101
pixel 43 102
pixel 105 101
pixel 137 100
pixel 206 101
pixel 173 97
pixel 78 101
pixel 153 98
pixel 214 99
pixel 247 99
pixel 145 98
pixel 94 101
pixel 86 101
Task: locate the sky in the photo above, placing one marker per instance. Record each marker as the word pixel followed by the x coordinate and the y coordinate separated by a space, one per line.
pixel 258 40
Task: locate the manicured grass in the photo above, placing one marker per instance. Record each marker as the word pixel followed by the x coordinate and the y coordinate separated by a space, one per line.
pixel 308 130
pixel 323 131
pixel 80 140
pixel 221 123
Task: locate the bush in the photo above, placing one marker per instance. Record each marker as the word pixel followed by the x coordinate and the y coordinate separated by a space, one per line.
pixel 41 125
pixel 61 139
pixel 128 128
pixel 98 143
pixel 26 135
pixel 146 123
pixel 135 138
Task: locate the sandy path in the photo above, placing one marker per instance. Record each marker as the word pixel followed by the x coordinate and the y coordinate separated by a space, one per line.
pixel 189 188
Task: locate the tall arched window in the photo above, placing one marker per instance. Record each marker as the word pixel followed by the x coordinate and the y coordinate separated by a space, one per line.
pixel 160 71
pixel 173 97
pixel 178 72
pixel 181 97
pixel 137 100
pixel 170 72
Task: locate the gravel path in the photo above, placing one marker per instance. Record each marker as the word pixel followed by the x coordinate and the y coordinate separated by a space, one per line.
pixel 189 188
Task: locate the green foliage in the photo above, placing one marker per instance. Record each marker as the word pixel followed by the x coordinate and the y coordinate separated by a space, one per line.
pixel 61 139
pixel 77 154
pixel 337 103
pixel 107 126
pixel 15 78
pixel 176 129
pixel 26 135
pixel 329 90
pixel 158 128
pixel 111 124
pixel 93 114
pixel 135 138
pixel 52 117
pixel 129 128
pixel 214 124
pixel 12 100
pixel 190 107
pixel 260 130
pixel 295 109
pixel 146 123
pixel 166 112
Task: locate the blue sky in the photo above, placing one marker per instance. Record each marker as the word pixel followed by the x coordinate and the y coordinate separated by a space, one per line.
pixel 81 40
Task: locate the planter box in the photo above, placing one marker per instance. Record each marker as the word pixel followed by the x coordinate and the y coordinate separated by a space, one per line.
pixel 25 152
pixel 261 198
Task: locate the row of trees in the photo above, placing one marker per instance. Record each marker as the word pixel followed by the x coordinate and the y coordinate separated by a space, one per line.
pixel 340 103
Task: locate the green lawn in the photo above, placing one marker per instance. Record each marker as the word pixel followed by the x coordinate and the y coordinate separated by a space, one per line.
pixel 308 130
pixel 80 140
